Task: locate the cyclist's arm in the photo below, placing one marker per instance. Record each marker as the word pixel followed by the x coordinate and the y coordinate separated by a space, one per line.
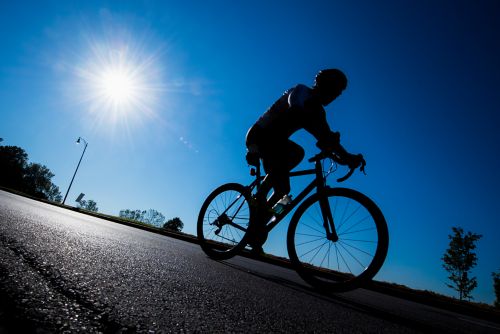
pixel 328 140
pixel 317 125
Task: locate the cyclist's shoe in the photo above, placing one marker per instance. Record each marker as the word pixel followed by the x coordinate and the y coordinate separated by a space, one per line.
pixel 258 237
pixel 257 250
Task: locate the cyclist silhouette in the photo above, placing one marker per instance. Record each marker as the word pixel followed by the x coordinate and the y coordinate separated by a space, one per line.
pixel 268 140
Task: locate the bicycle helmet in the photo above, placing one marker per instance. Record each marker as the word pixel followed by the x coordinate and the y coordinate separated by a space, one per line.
pixel 330 80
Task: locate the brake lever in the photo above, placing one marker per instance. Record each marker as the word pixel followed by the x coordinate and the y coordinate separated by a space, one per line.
pixel 351 171
pixel 362 168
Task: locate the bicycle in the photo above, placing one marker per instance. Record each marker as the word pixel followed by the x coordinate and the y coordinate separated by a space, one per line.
pixel 337 239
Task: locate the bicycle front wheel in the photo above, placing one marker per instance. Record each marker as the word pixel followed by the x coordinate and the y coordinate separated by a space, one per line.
pixel 223 221
pixel 358 254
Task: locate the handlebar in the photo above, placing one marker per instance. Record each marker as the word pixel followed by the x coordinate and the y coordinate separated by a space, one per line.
pixel 321 156
pixel 348 175
pixel 340 161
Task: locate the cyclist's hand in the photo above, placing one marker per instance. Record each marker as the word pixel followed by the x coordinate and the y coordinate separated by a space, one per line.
pixel 357 160
pixel 330 143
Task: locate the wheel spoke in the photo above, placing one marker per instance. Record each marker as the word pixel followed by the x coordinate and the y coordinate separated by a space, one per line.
pixel 312 250
pixel 359 222
pixel 308 242
pixel 363 230
pixel 354 257
pixel 343 259
pixel 356 248
pixel 344 221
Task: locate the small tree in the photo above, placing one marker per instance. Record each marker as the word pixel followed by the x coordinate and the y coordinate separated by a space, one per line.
pixel 496 286
pixel 131 214
pixel 153 217
pixel 89 205
pixel 174 224
pixel 459 259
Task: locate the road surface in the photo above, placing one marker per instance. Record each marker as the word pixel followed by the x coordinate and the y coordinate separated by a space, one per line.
pixel 65 271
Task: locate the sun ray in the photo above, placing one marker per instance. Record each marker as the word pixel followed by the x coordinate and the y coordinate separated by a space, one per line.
pixel 120 84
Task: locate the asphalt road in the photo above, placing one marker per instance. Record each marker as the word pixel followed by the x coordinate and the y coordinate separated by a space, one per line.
pixel 64 271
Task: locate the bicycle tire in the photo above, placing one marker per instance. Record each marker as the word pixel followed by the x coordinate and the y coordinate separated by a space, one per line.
pixel 223 221
pixel 306 239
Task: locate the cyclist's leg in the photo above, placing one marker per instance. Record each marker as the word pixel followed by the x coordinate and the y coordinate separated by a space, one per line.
pixel 259 232
pixel 295 154
pixel 285 156
pixel 258 229
pixel 278 160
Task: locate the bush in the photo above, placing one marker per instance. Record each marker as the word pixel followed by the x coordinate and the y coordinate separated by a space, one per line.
pixel 174 224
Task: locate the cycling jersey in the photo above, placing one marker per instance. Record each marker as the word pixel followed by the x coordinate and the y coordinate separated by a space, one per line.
pixel 298 108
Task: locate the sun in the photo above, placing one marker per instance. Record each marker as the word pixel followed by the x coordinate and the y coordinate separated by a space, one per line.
pixel 118 86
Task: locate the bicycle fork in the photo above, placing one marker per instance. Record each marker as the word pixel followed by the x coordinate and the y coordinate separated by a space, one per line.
pixel 328 223
pixel 326 210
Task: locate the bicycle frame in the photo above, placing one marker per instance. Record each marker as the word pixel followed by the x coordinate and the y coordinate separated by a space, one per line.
pixel 319 183
pixel 232 218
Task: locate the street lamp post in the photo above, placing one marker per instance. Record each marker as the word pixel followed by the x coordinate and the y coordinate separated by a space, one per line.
pixel 76 170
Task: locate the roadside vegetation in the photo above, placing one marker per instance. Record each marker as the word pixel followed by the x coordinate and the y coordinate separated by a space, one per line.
pixel 17 173
pixel 459 260
pixel 153 218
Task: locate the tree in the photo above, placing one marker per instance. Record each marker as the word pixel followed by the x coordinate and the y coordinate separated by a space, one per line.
pixel 89 205
pixel 32 179
pixel 496 286
pixel 13 162
pixel 130 214
pixel 53 194
pixel 153 217
pixel 174 224
pixel 459 259
pixel 38 182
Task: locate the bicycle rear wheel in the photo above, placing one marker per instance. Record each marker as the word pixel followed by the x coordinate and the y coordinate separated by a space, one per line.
pixel 358 254
pixel 223 221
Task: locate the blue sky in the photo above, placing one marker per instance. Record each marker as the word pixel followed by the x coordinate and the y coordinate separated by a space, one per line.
pixel 422 106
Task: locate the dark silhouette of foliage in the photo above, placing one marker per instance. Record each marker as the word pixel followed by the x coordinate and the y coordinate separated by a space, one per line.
pixel 496 286
pixel 37 181
pixel 53 194
pixel 174 224
pixel 151 216
pixel 89 205
pixel 131 214
pixel 31 178
pixel 459 259
pixel 13 162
